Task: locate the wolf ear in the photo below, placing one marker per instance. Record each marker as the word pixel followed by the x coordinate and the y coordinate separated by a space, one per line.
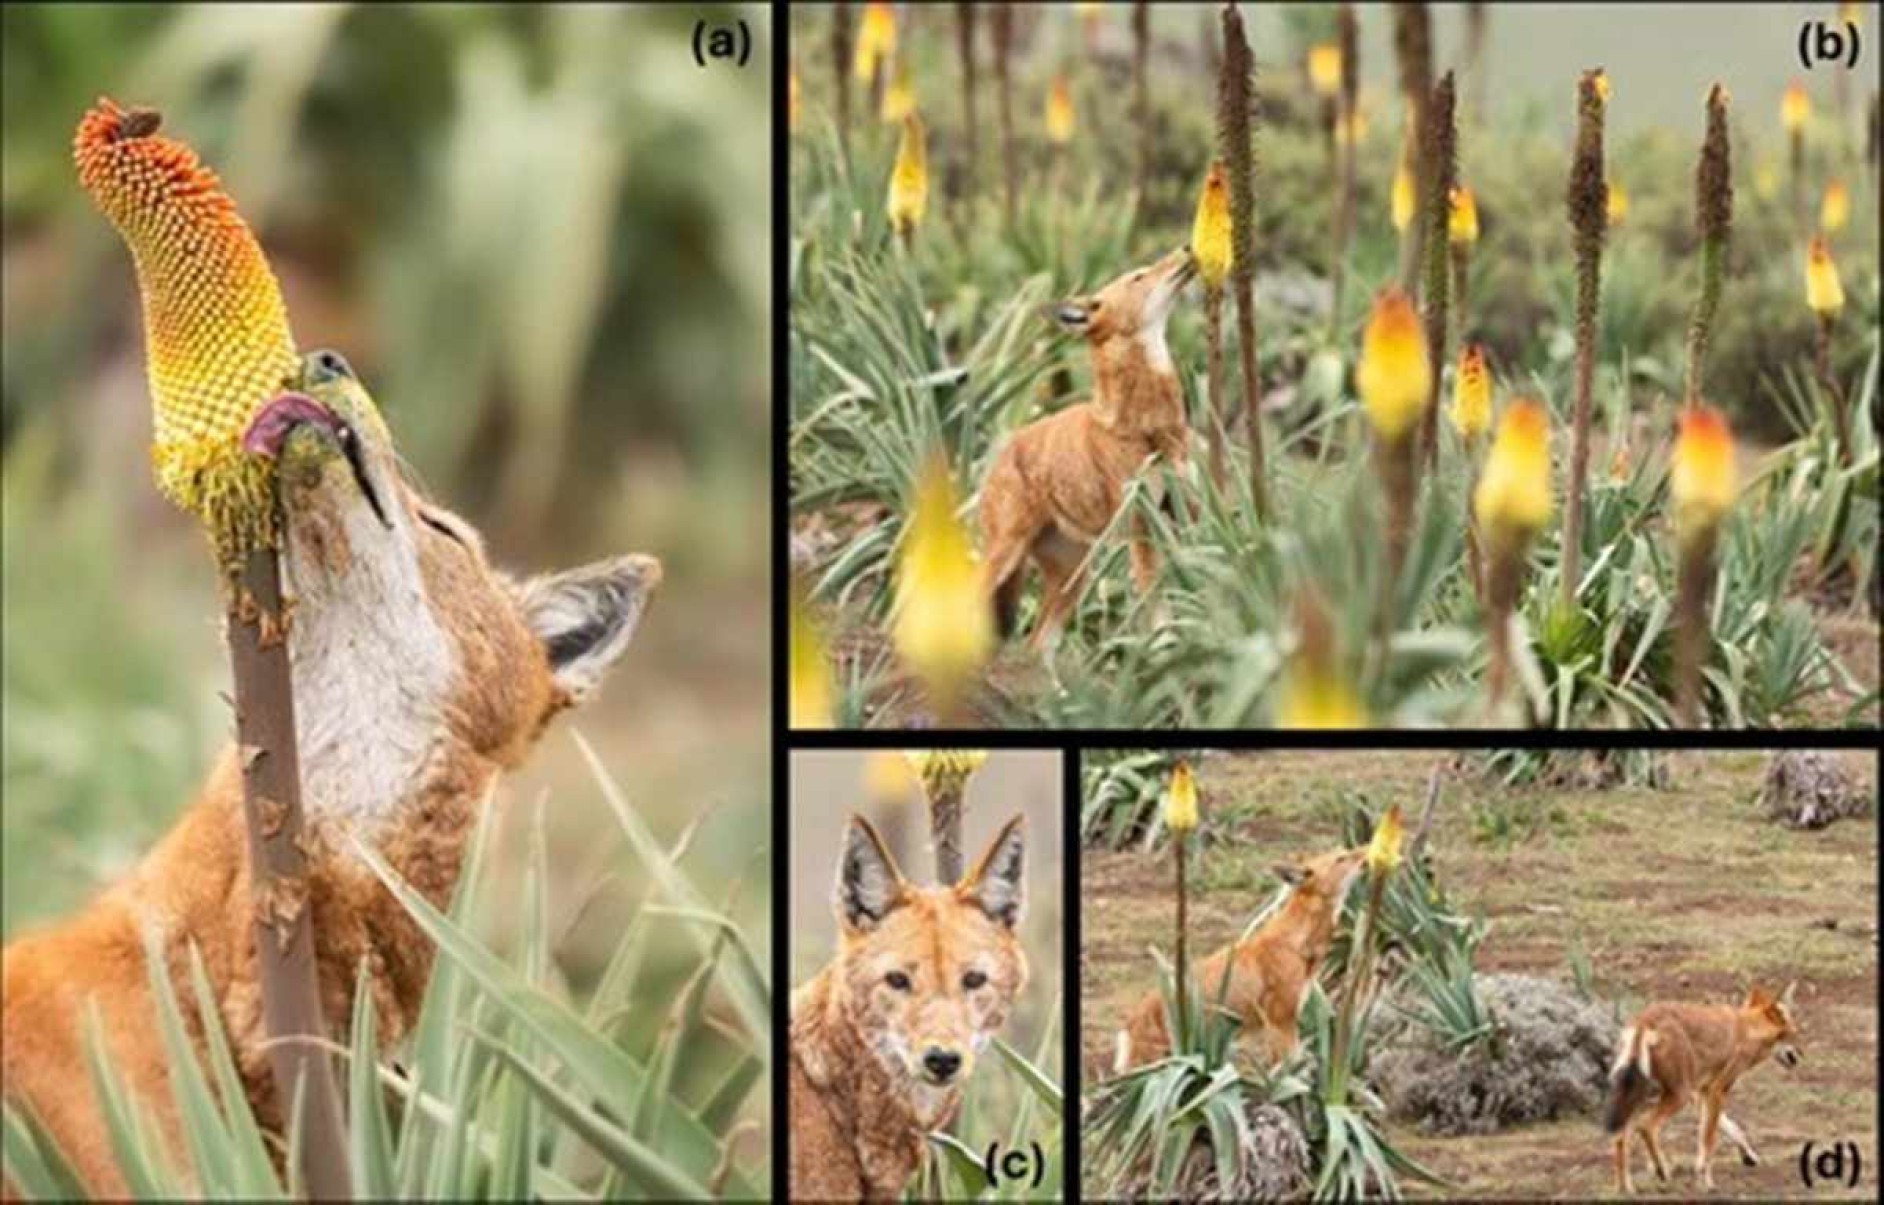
pixel 997 884
pixel 1757 997
pixel 1292 873
pixel 869 886
pixel 1785 997
pixel 585 617
pixel 1074 314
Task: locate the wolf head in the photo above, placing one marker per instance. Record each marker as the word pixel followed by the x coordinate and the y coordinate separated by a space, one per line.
pixel 1136 305
pixel 929 973
pixel 1771 1023
pixel 1325 877
pixel 412 657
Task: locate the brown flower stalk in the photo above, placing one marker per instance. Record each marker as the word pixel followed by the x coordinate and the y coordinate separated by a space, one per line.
pixel 840 68
pixel 1413 48
pixel 965 51
pixel 1439 175
pixel 1235 92
pixel 1348 38
pixel 1001 30
pixel 1141 94
pixel 1713 219
pixel 1588 201
pixel 1475 55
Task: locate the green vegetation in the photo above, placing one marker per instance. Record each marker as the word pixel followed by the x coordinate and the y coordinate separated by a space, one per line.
pixel 896 352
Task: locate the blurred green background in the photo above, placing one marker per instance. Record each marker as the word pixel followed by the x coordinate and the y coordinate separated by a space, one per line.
pixel 542 237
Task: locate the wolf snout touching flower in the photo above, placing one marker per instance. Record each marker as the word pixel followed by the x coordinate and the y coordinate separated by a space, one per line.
pixel 884 1037
pixel 1058 481
pixel 1267 972
pixel 1693 1051
pixel 420 673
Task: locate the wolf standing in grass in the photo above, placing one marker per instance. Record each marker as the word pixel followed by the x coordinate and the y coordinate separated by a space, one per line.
pixel 1057 482
pixel 1267 973
pixel 1699 1051
pixel 885 1036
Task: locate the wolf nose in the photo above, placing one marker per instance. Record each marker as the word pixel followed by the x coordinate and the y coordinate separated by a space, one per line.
pixel 941 1064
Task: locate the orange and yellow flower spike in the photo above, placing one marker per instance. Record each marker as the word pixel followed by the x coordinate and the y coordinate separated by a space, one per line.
pixel 1060 118
pixel 1394 375
pixel 1701 480
pixel 216 336
pixel 1210 230
pixel 1823 292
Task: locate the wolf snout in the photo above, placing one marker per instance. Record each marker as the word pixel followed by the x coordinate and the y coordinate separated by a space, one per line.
pixel 1789 1057
pixel 941 1065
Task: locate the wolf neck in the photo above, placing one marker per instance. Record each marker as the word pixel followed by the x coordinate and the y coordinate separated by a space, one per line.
pixel 1312 918
pixel 372 670
pixel 1135 384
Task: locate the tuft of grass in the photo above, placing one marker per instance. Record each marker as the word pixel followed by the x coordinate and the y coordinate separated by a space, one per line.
pixel 509 1090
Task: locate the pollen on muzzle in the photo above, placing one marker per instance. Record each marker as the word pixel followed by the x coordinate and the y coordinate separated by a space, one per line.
pixel 217 343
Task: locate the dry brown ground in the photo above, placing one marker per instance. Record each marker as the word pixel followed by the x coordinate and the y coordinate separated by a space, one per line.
pixel 1681 893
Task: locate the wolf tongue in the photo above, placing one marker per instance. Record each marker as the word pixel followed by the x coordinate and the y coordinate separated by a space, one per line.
pixel 272 422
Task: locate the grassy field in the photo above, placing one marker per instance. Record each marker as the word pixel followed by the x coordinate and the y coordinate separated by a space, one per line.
pixel 900 350
pixel 1680 893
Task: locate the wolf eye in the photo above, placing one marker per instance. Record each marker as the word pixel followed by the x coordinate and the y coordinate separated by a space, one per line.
pixel 443 528
pixel 897 980
pixel 973 980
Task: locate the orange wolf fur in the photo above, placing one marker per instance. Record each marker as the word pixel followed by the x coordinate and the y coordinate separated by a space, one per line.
pixel 420 673
pixel 1268 971
pixel 1693 1051
pixel 884 1036
pixel 1058 481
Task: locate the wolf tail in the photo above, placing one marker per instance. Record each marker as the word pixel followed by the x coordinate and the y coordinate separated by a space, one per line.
pixel 1629 1078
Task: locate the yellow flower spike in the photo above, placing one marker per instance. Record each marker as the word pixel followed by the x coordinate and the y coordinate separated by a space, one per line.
pixel 1394 374
pixel 876 40
pixel 1180 800
pixel 1765 181
pixel 1471 394
pixel 944 771
pixel 1823 292
pixel 1060 111
pixel 1616 203
pixel 812 692
pixel 899 95
pixel 1461 216
pixel 1314 695
pixel 1210 231
pixel 1513 497
pixel 1602 85
pixel 888 776
pixel 909 179
pixel 1402 197
pixel 1795 107
pixel 1383 852
pixel 1352 128
pixel 216 338
pixel 1835 209
pixel 942 627
pixel 1701 481
pixel 1324 68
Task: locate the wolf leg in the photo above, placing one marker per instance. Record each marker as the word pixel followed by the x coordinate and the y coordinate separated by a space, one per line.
pixel 1738 1137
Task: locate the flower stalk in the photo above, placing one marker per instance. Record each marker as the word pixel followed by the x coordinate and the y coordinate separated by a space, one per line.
pixel 1383 858
pixel 1713 219
pixel 1413 47
pixel 1394 379
pixel 944 774
pixel 1180 816
pixel 1826 296
pixel 1587 198
pixel 1511 504
pixel 971 128
pixel 1212 249
pixel 1347 40
pixel 1471 418
pixel 841 52
pixel 218 347
pixel 1701 486
pixel 1001 31
pixel 1235 92
pixel 1439 175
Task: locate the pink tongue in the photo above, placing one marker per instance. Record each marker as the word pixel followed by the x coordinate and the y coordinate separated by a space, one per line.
pixel 272 422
